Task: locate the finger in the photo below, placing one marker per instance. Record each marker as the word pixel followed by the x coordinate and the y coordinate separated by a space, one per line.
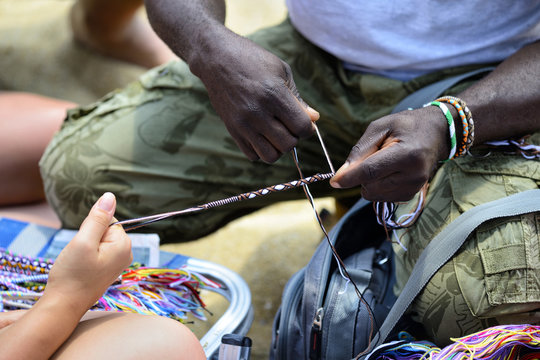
pixel 248 150
pixel 311 112
pixel 113 231
pixel 282 141
pixel 383 163
pixel 119 242
pixel 244 146
pixel 291 85
pixel 265 150
pixel 376 166
pixel 297 116
pixel 9 317
pixel 98 220
pixel 396 187
pixel 391 196
pixel 116 238
pixel 374 139
pixel 369 144
pixel 278 135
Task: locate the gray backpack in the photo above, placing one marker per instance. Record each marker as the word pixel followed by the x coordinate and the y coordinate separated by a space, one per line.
pixel 322 318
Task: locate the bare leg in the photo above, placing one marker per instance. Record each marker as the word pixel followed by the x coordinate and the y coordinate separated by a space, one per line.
pixel 27 124
pixel 113 28
pixel 130 336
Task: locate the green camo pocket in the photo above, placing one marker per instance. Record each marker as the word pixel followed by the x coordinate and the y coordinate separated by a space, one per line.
pixel 498 269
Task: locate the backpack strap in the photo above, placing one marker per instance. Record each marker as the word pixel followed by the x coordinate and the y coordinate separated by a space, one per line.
pixel 418 98
pixel 443 247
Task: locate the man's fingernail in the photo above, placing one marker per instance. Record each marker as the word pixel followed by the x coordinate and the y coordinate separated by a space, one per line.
pixel 106 202
pixel 343 167
pixel 335 184
pixel 314 112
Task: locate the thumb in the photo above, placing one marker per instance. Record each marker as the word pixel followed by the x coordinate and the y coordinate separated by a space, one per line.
pixel 312 113
pixel 98 220
pixel 368 144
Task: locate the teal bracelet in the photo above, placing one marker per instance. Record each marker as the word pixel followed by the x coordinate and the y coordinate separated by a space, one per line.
pixel 451 127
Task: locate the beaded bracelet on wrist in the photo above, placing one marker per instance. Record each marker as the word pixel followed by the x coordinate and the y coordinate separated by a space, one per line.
pixel 470 123
pixel 451 127
pixel 461 149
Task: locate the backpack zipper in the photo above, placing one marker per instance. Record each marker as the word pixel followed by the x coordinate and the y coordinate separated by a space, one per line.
pixel 316 335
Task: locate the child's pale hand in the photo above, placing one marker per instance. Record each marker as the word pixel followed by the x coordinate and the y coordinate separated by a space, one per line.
pixel 92 261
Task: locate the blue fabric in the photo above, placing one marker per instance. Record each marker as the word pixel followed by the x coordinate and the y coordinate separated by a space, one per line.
pixel 38 241
pixel 9 229
pixel 172 260
pixel 25 238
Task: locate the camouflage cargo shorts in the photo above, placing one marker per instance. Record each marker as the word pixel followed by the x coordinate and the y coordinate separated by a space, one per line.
pixel 159 145
pixel 495 277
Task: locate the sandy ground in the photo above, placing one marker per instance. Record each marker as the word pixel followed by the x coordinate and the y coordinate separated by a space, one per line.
pixel 37 54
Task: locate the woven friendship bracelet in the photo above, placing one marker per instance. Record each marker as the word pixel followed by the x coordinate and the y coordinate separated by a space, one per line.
pixel 451 127
pixel 23 264
pixel 468 115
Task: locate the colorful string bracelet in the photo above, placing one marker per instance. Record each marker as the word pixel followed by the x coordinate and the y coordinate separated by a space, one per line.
pixel 503 342
pixel 468 115
pixel 22 264
pixel 451 127
pixel 462 148
pixel 174 293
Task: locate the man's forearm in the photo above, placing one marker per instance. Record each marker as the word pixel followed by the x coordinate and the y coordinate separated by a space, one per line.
pixel 188 27
pixel 506 103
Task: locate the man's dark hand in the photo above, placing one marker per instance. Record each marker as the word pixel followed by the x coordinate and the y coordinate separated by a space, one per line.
pixel 396 155
pixel 254 93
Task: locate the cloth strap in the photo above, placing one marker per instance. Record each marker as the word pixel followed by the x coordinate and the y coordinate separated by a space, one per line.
pixel 443 247
pixel 428 93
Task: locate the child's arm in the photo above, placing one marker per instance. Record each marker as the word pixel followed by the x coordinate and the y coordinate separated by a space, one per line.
pixel 9 317
pixel 39 332
pixel 81 274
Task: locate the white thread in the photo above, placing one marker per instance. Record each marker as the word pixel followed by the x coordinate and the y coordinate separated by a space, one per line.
pixel 394 232
pixel 312 203
pixel 324 149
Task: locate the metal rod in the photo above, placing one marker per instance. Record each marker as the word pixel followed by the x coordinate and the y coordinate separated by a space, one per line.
pixel 324 149
pixel 142 221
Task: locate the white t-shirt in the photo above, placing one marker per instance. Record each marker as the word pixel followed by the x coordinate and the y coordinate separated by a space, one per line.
pixel 407 38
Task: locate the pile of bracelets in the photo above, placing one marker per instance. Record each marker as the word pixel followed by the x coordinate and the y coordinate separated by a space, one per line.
pixel 173 293
pixel 502 342
pixel 467 124
pixel 466 121
pixel 14 263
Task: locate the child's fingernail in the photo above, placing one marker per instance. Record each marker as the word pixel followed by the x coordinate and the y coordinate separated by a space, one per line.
pixel 106 202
